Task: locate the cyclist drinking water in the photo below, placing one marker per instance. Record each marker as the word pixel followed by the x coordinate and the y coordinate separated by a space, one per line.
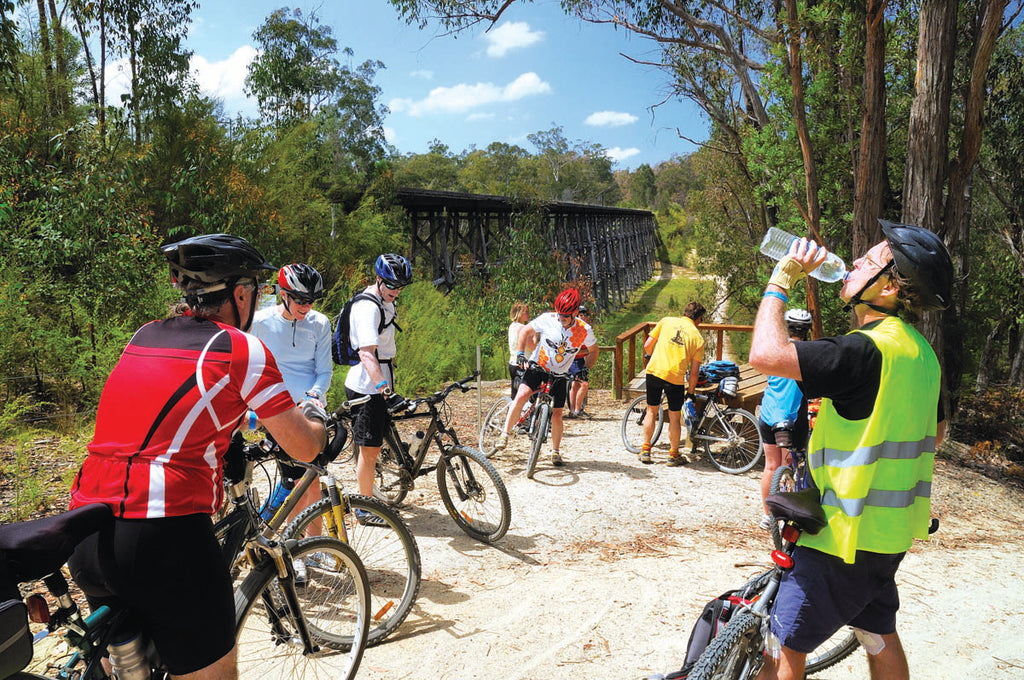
pixel 872 450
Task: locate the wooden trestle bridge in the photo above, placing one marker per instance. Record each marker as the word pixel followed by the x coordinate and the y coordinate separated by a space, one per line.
pixel 613 247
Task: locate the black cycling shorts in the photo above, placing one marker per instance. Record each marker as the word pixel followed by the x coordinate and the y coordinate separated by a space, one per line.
pixel 676 394
pixel 559 385
pixel 171 574
pixel 369 419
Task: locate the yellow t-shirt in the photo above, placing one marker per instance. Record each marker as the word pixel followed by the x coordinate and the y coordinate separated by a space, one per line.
pixel 677 344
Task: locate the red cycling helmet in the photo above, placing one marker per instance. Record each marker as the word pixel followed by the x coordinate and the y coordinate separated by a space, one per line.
pixel 568 302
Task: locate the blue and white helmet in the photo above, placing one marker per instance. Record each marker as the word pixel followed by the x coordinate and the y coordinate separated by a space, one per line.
pixel 393 269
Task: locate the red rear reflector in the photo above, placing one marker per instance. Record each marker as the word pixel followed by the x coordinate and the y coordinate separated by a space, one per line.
pixel 38 611
pixel 790 533
pixel 782 559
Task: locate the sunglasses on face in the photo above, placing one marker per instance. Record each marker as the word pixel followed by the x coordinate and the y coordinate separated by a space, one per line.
pixel 300 299
pixel 566 316
pixel 391 286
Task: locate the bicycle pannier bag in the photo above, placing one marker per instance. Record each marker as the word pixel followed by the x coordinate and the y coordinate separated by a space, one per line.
pixel 15 638
pixel 716 370
pixel 717 613
pixel 341 351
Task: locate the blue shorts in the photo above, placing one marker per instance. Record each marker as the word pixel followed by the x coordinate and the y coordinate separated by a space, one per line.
pixel 821 594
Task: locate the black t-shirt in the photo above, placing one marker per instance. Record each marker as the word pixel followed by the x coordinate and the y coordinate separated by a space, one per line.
pixel 847 369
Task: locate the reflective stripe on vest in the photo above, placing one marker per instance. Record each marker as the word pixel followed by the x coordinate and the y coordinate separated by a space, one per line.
pixel 875 474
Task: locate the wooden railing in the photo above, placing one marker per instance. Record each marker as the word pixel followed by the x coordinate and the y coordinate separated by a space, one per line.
pixel 625 368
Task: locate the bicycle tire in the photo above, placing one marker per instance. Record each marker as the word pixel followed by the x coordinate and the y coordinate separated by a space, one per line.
pixel 540 433
pixel 632 427
pixel 388 477
pixel 493 426
pixel 338 597
pixel 832 651
pixel 389 555
pixel 462 479
pixel 733 441
pixel 736 653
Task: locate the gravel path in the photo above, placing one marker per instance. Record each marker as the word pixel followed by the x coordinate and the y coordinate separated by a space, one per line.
pixel 608 563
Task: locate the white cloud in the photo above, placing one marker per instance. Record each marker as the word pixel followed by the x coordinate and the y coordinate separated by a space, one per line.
pixel 511 36
pixel 223 79
pixel 479 116
pixel 618 155
pixel 464 97
pixel 422 74
pixel 610 119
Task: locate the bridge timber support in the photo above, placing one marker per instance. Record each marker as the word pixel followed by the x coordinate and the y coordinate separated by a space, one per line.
pixel 613 247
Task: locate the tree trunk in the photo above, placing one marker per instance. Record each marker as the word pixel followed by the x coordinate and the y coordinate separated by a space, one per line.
pixel 97 105
pixel 1017 365
pixel 62 91
pixel 987 357
pixel 870 169
pixel 44 43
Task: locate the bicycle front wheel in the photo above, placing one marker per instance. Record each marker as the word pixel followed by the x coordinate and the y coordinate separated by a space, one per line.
pixel 473 493
pixel 633 420
pixel 334 603
pixel 540 433
pixel 494 425
pixel 735 653
pixel 832 651
pixel 387 550
pixel 732 440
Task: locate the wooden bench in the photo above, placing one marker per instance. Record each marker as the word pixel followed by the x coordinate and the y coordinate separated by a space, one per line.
pixel 749 391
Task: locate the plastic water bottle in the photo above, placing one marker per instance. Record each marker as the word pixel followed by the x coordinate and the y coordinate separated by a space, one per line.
pixel 776 244
pixel 281 492
pixel 129 660
pixel 417 444
pixel 689 414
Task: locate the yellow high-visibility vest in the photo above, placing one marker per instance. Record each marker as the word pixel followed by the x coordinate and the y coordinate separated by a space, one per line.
pixel 875 474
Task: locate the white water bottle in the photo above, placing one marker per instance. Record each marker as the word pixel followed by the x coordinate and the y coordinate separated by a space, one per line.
pixel 776 244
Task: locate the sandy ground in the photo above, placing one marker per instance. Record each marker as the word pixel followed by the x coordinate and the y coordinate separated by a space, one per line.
pixel 608 562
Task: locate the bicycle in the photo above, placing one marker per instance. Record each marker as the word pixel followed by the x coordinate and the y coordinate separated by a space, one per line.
pixel 471 489
pixel 494 423
pixel 281 629
pixel 730 436
pixel 737 652
pixel 377 532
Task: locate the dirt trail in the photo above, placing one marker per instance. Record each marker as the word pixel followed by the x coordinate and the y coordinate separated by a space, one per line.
pixel 608 563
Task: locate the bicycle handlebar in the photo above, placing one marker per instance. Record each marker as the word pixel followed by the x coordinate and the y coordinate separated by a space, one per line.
pixel 440 395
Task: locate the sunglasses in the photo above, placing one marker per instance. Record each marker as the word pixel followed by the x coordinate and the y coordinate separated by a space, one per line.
pixel 300 299
pixel 566 316
pixel 391 286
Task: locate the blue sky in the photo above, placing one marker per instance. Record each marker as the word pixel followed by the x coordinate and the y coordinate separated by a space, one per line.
pixel 536 69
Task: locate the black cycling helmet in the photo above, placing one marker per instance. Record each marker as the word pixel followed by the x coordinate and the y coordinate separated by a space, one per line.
pixel 301 282
pixel 921 258
pixel 798 321
pixel 393 269
pixel 214 258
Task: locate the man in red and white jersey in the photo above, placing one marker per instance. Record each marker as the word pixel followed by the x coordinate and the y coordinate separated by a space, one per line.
pixel 164 423
pixel 555 338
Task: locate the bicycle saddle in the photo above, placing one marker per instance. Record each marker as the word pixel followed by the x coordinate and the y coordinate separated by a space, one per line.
pixel 33 549
pixel 802 508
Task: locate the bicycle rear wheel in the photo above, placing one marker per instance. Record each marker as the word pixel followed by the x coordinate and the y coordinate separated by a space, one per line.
pixel 494 425
pixel 473 493
pixel 389 554
pixel 632 427
pixel 389 483
pixel 732 440
pixel 540 433
pixel 735 653
pixel 334 604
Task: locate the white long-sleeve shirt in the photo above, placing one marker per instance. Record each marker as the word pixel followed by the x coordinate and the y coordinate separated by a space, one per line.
pixel 302 350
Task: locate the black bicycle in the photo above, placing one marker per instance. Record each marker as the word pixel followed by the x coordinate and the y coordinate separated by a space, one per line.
pixel 282 630
pixel 375 530
pixel 471 489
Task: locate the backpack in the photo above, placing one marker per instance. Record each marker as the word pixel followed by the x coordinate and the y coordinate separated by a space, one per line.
pixel 341 350
pixel 715 371
pixel 712 620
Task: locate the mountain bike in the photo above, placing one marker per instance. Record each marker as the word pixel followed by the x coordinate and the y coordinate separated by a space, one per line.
pixel 471 488
pixel 540 418
pixel 281 630
pixel 376 531
pixel 737 652
pixel 730 436
pixel 494 423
